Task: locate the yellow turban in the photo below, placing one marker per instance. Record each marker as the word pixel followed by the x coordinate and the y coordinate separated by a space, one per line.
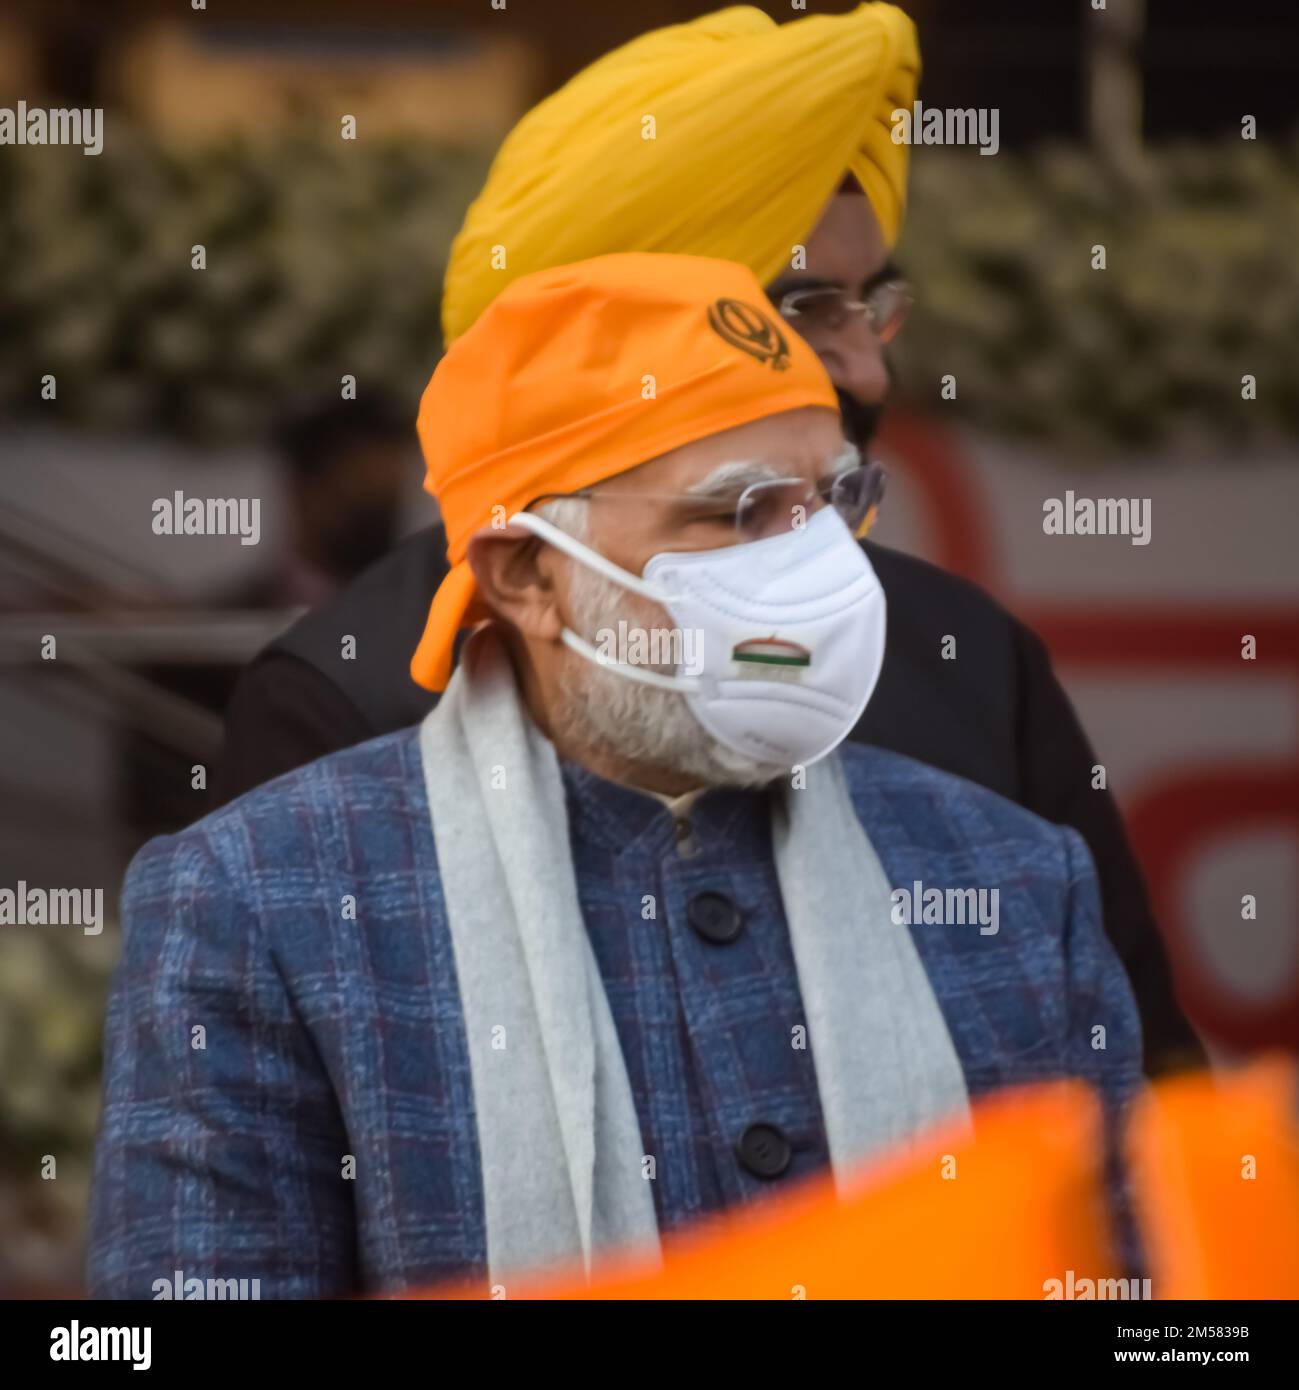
pixel 754 124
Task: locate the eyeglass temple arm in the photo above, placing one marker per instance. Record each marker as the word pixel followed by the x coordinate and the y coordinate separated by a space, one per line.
pixel 561 540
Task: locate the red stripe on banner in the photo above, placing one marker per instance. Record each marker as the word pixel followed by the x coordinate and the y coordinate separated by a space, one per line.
pixel 1173 818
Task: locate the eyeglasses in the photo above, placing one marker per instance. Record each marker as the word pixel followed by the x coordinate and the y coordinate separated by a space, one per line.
pixel 821 312
pixel 764 508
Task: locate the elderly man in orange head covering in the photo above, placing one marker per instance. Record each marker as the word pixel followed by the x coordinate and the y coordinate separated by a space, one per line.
pixel 736 137
pixel 623 932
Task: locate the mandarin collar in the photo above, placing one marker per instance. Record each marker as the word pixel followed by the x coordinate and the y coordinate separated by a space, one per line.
pixel 624 817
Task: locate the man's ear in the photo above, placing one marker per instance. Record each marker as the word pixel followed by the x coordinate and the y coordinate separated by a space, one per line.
pixel 515 574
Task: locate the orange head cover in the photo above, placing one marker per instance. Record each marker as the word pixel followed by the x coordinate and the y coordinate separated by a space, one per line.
pixel 580 372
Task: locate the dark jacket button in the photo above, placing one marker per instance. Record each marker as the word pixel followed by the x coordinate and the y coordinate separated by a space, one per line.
pixel 764 1151
pixel 715 917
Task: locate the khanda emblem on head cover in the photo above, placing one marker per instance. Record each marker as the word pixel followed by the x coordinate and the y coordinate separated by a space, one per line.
pixel 750 330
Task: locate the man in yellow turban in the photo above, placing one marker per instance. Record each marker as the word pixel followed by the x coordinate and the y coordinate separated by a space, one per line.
pixel 724 137
pixel 735 137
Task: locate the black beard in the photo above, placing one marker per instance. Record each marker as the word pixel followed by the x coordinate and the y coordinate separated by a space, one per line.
pixel 859 421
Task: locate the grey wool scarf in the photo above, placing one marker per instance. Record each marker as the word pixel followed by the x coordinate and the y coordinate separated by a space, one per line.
pixel 562 1159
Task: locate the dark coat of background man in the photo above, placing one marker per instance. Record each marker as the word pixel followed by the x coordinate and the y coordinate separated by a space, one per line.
pixel 788 106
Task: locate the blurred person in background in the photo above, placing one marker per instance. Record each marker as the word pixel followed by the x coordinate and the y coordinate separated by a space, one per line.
pixel 347 463
pixel 771 145
pixel 344 469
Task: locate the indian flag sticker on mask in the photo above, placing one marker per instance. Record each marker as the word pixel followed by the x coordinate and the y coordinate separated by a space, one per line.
pixel 770 658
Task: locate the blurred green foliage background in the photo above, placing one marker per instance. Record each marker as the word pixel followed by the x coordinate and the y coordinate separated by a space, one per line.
pixel 52 989
pixel 325 257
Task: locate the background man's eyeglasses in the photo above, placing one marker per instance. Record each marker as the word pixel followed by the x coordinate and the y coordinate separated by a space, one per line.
pixel 820 312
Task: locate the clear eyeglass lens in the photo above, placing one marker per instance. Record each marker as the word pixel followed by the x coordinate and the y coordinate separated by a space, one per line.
pixel 818 311
pixel 824 311
pixel 888 306
pixel 853 494
pixel 768 509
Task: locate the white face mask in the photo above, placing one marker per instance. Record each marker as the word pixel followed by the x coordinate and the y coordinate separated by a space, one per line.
pixel 789 634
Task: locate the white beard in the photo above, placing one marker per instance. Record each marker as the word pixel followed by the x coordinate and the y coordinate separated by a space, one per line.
pixel 639 723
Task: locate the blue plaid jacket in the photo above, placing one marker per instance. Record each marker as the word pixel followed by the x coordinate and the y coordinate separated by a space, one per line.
pixel 287 1085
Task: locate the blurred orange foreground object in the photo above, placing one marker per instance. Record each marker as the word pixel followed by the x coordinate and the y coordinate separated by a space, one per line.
pixel 1215 1173
pixel 951 1218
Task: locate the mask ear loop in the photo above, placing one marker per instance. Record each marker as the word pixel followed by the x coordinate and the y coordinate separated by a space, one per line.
pixel 561 540
pixel 583 554
pixel 682 685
